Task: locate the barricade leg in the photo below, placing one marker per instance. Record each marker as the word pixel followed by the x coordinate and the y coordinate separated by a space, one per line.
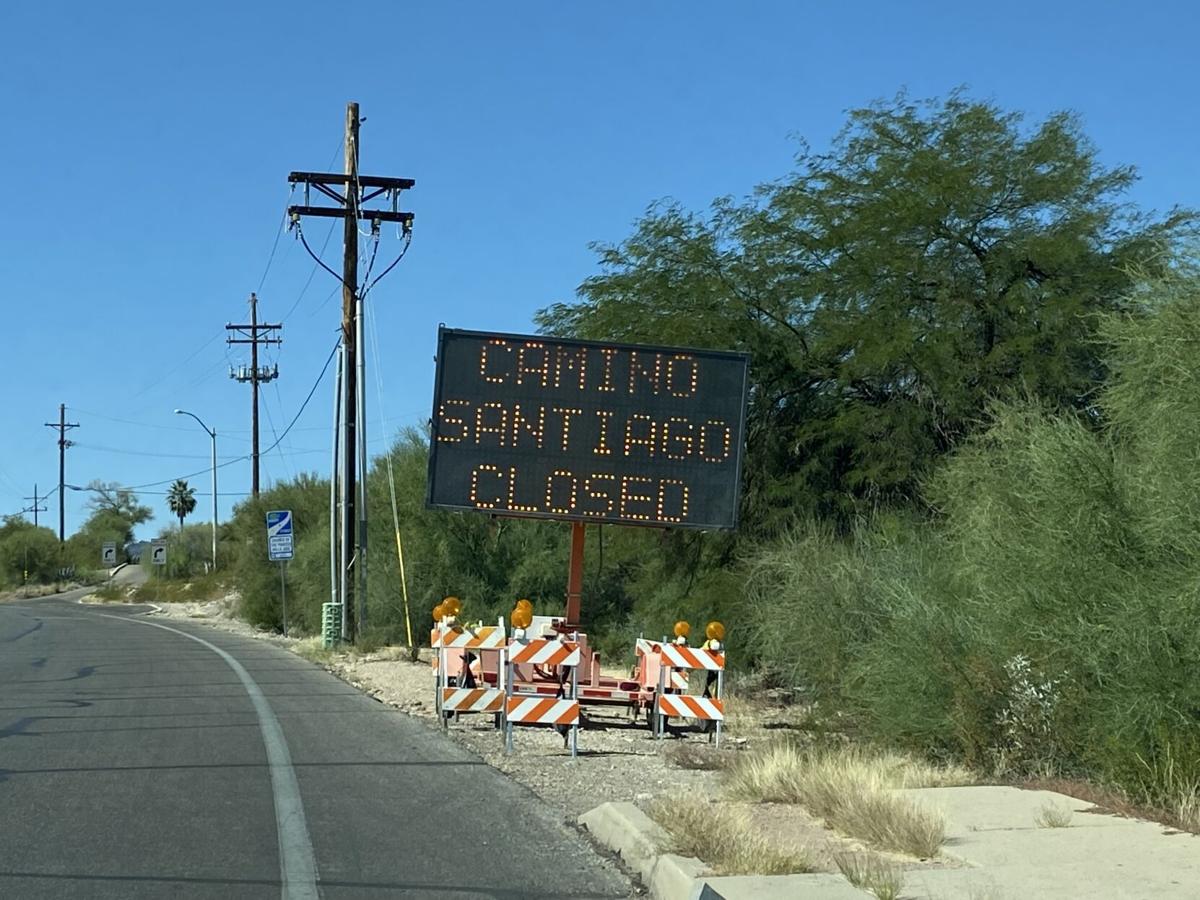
pixel 506 664
pixel 660 721
pixel 720 696
pixel 440 681
pixel 575 727
pixel 443 682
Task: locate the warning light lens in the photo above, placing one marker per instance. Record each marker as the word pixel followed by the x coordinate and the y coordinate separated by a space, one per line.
pixel 452 606
pixel 521 617
pixel 682 628
pixel 715 631
pixel 524 604
pixel 438 612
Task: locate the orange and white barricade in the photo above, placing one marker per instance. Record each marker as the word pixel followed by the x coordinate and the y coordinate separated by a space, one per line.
pixel 451 645
pixel 536 709
pixel 669 703
pixel 649 660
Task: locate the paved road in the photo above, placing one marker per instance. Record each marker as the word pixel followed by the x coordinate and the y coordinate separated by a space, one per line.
pixel 136 761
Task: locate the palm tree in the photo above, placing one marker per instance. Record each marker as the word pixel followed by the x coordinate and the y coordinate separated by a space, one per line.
pixel 181 499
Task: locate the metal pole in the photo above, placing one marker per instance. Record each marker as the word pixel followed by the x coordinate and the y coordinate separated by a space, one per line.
pixel 283 592
pixel 214 499
pixel 345 509
pixel 334 534
pixel 360 568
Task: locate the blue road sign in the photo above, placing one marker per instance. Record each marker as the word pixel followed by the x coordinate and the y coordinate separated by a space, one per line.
pixel 279 534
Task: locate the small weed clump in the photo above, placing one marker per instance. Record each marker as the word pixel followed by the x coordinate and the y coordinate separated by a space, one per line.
pixel 1053 815
pixel 690 755
pixel 724 838
pixel 871 872
pixel 852 790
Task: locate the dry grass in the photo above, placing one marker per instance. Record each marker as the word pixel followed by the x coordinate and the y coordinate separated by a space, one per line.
pixel 313 649
pixel 1054 815
pixel 724 838
pixel 179 590
pixel 852 790
pixel 871 872
pixel 1182 811
pixel 1187 811
pixel 111 593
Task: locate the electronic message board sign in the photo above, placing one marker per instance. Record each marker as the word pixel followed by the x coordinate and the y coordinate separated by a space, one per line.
pixel 553 428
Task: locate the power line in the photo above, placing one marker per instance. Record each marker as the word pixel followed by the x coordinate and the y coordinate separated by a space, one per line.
pixel 312 273
pixel 395 262
pixel 107 418
pixel 271 425
pixel 158 455
pixel 295 418
pixel 275 243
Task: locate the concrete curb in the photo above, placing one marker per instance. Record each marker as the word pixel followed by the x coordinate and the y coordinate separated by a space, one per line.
pixel 635 837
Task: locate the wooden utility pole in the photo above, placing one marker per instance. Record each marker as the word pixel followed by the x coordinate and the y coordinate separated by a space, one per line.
pixel 350 369
pixel 357 190
pixel 254 334
pixel 35 509
pixel 63 426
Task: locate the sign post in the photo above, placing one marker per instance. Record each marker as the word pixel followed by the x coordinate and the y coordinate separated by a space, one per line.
pixel 280 548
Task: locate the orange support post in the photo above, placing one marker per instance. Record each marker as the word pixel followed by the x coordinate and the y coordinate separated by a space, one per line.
pixel 575 575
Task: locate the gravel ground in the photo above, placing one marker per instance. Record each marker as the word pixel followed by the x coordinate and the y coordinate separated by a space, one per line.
pixel 617 759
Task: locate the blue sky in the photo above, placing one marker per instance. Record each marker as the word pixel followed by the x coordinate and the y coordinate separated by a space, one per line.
pixel 146 147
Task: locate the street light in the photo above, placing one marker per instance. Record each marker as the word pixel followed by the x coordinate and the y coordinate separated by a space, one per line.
pixel 212 433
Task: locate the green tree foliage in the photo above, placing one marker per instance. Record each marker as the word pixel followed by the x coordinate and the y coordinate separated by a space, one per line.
pixel 27 553
pixel 938 256
pixel 189 550
pixel 181 500
pixel 257 578
pixel 1045 620
pixel 114 512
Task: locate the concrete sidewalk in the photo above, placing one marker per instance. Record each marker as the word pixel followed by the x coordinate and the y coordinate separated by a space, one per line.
pixel 992 834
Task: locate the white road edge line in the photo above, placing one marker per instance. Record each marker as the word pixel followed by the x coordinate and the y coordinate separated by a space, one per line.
pixel 297 864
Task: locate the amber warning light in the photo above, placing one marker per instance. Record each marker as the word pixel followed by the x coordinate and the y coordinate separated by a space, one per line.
pixel 552 428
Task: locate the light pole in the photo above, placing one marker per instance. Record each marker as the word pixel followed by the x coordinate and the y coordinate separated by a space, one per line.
pixel 212 433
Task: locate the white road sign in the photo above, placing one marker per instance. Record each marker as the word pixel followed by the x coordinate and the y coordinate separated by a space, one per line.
pixel 279 534
pixel 108 554
pixel 158 554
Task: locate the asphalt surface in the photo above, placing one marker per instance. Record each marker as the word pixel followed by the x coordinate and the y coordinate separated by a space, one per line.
pixel 138 762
